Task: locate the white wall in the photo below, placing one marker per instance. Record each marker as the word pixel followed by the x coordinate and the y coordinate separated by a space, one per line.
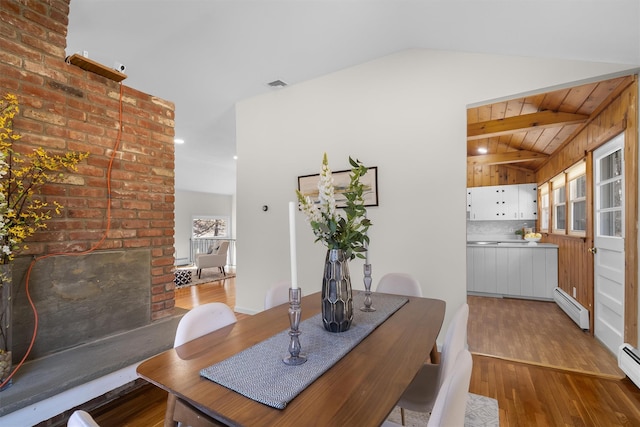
pixel 406 114
pixel 190 203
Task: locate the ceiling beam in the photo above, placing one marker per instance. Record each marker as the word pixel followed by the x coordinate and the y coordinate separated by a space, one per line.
pixel 540 120
pixel 502 158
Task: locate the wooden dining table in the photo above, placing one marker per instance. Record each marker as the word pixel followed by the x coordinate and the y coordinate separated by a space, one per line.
pixel 361 389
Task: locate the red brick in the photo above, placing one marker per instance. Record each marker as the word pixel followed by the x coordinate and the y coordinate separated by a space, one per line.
pixel 151 215
pixel 85 213
pixel 136 243
pixel 163 241
pixel 59 27
pixel 24 51
pixel 162 261
pixel 85 235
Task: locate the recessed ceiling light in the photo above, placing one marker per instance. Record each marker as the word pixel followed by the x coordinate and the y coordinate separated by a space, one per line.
pixel 482 150
pixel 235 157
pixel 178 141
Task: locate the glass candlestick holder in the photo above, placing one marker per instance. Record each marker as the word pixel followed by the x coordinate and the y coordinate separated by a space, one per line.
pixel 367 289
pixel 294 358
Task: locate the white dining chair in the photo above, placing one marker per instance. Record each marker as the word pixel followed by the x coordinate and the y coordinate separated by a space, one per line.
pixel 451 403
pixel 197 322
pixel 420 395
pixel 81 418
pixel 277 294
pixel 403 284
pixel 450 406
pixel 399 284
pixel 201 320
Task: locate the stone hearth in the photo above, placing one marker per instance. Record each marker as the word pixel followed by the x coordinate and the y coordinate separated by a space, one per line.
pixel 80 299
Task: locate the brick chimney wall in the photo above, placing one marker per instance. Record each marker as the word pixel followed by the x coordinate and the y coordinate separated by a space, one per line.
pixel 63 107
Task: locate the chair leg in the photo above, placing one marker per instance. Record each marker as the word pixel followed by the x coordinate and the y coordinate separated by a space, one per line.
pixel 199 272
pixel 190 416
pixel 435 355
pixel 402 415
pixel 168 415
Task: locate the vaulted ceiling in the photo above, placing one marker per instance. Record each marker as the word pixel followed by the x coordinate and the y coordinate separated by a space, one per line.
pixel 206 55
pixel 524 132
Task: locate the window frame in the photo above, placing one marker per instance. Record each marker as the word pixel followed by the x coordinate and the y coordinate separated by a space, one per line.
pixel 574 173
pixel 558 186
pixel 545 213
pixel 225 234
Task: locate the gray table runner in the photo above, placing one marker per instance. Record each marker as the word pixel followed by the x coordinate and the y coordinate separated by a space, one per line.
pixel 260 374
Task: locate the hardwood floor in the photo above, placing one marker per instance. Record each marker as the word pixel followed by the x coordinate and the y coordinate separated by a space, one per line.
pixel 538 333
pixel 528 394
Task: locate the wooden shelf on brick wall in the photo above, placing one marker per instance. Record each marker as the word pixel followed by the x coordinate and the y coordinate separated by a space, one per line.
pixel 95 67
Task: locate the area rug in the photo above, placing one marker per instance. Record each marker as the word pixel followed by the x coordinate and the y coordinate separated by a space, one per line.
pixel 481 411
pixel 187 276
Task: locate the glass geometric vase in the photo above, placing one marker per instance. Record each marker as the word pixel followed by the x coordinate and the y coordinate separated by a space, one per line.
pixel 337 298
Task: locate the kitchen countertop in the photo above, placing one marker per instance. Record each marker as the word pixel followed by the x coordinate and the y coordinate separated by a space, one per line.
pixel 509 244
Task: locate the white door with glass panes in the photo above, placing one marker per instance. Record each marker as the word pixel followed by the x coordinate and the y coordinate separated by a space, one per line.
pixel 609 257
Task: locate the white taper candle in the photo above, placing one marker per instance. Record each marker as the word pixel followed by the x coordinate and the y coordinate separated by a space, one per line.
pixel 292 244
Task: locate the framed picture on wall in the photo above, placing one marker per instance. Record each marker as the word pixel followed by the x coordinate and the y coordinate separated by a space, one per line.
pixel 308 186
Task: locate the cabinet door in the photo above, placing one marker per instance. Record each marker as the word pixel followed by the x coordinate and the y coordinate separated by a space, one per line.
pixel 502 271
pixel 485 203
pixel 510 196
pixel 527 201
pixel 513 271
pixel 470 270
pixel 481 269
pixel 484 270
pixel 539 262
pixel 526 272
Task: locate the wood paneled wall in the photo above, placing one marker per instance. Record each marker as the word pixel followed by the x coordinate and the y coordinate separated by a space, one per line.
pixel 485 175
pixel 575 264
pixel 574 269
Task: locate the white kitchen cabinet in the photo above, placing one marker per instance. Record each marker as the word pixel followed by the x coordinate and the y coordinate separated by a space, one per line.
pixel 518 271
pixel 485 203
pixel 482 275
pixel 527 201
pixel 499 202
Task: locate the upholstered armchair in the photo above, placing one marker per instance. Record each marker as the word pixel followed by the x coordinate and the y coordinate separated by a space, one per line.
pixel 217 259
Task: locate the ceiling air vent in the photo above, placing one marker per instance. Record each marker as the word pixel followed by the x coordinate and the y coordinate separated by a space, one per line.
pixel 277 83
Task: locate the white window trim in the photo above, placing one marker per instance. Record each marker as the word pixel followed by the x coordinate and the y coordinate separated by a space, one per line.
pixel 544 191
pixel 573 174
pixel 224 236
pixel 557 182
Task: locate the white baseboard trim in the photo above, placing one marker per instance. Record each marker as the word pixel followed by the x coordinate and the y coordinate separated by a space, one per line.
pixel 243 310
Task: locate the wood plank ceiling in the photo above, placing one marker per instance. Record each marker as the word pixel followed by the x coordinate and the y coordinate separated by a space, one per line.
pixel 524 132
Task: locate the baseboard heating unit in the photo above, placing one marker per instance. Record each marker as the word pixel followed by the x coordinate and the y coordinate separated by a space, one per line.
pixel 629 362
pixel 573 308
